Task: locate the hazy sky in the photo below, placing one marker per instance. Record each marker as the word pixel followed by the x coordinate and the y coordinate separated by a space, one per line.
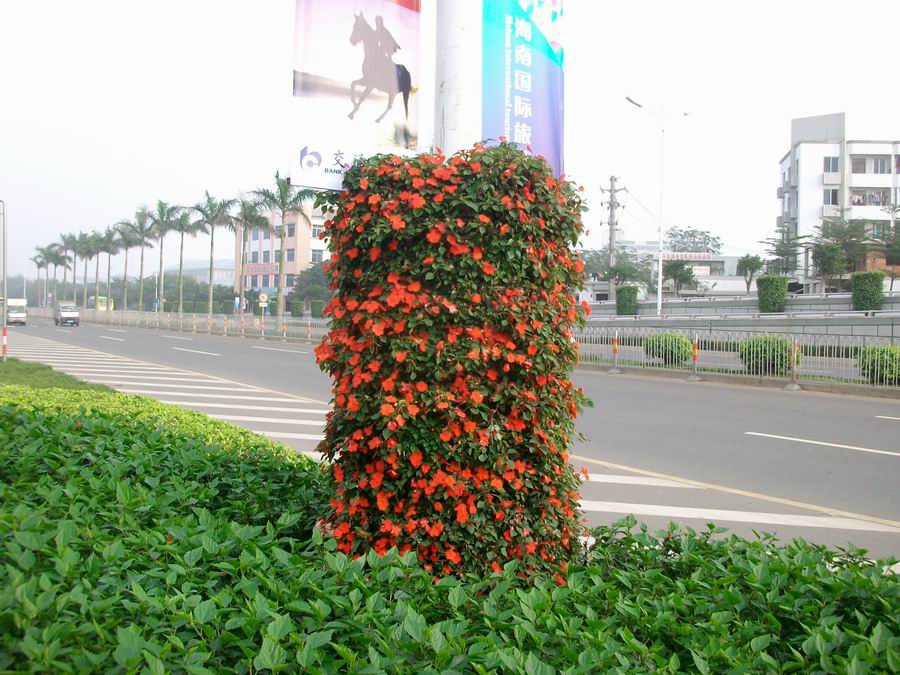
pixel 107 104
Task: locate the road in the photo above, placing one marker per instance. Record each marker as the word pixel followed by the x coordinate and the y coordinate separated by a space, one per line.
pixel 819 466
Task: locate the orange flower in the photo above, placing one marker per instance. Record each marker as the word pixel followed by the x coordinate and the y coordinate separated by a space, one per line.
pixel 387 410
pixel 462 513
pixel 477 397
pixel 476 298
pixel 415 459
pixel 433 236
pixel 364 183
pixel 352 404
pixel 453 556
pixel 382 500
pixel 436 529
pixel 400 357
pixel 413 409
pixel 483 218
pixel 487 268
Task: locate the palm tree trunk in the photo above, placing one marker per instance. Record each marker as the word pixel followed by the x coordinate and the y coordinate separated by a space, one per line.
pixel 65 271
pixel 212 238
pixel 108 279
pixel 281 258
pixel 84 285
pixel 180 268
pixel 242 263
pixel 159 280
pixel 74 277
pixel 125 283
pixel 55 286
pixel 141 282
pixel 97 284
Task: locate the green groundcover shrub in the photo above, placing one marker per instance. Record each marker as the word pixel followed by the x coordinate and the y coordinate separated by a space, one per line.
pixel 137 537
pixel 766 355
pixel 868 290
pixel 626 300
pixel 771 293
pixel 670 347
pixel 880 364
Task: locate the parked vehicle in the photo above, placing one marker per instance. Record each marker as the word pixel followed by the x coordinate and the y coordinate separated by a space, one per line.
pixel 16 312
pixel 67 315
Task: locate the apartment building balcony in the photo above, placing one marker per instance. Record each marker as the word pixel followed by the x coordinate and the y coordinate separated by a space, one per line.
pixel 871 180
pixel 831 211
pixel 831 178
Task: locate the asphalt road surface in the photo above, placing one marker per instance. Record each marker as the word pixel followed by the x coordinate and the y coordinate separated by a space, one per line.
pixel 819 466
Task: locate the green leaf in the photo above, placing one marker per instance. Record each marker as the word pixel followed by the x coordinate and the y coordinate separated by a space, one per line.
pixel 271 656
pixel 29 540
pixel 414 624
pixel 205 612
pixel 128 650
pixel 154 664
pixel 457 596
pixel 701 663
pixel 280 626
pixel 880 637
pixel 320 639
pixel 760 642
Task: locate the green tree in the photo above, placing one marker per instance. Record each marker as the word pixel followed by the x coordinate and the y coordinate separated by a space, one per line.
pixel 850 235
pixel 830 260
pixel 284 200
pixel 183 225
pixel 127 240
pixel 40 262
pixel 681 274
pixel 887 242
pixel 213 213
pixel 144 234
pixel 783 250
pixel 747 266
pixel 88 249
pixel 312 284
pixel 56 257
pixel 163 220
pixel 110 244
pixel 693 240
pixel 68 242
pixel 246 219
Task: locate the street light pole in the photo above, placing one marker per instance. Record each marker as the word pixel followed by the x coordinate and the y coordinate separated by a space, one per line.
pixel 661 118
pixel 5 298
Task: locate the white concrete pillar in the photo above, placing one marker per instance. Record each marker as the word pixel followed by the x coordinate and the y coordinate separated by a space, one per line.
pixel 458 73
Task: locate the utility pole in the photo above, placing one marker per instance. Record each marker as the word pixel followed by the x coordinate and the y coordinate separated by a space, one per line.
pixel 613 204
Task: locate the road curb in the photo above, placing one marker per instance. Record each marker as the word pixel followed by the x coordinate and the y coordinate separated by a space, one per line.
pixel 748 381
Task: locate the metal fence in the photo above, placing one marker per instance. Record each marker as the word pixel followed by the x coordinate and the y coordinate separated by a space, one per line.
pixel 800 358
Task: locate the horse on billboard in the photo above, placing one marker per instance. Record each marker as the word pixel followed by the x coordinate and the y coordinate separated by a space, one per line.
pixel 378 68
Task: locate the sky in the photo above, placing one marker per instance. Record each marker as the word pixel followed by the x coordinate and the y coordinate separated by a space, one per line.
pixel 109 104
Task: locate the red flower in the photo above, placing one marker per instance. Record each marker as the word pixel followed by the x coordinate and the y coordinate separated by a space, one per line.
pixel 400 357
pixel 387 410
pixel 462 513
pixel 453 556
pixel 433 236
pixel 483 218
pixel 487 268
pixel 364 183
pixel 475 166
pixel 477 397
pixel 415 459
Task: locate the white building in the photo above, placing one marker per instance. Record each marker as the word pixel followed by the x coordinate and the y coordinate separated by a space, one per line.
pixel 830 167
pixel 303 248
pixel 223 271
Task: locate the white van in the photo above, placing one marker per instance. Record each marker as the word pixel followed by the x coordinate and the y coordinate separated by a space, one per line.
pixel 16 312
pixel 67 315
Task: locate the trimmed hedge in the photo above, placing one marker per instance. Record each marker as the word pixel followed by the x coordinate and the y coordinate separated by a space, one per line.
pixel 771 293
pixel 139 537
pixel 451 354
pixel 880 364
pixel 868 290
pixel 766 355
pixel 626 301
pixel 671 348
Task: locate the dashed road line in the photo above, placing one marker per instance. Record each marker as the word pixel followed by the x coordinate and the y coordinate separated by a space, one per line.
pixel 229 406
pixel 830 445
pixel 273 349
pixel 195 351
pixel 110 337
pixel 188 393
pixel 176 337
pixel 887 417
pixel 638 480
pixel 266 420
pixel 291 436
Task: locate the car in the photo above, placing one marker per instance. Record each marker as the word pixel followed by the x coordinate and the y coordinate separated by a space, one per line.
pixel 16 315
pixel 67 315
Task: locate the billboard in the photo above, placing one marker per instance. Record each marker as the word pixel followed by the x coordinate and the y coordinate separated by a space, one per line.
pixel 522 76
pixel 356 69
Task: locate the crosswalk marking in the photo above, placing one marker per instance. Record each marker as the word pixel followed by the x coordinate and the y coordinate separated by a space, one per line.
pixel 285 434
pixel 267 420
pixel 190 393
pixel 143 385
pixel 267 408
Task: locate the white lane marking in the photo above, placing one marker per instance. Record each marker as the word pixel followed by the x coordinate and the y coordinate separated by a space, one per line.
pixel 110 337
pixel 886 417
pixel 190 393
pixel 286 351
pixel 116 330
pixel 143 385
pixel 140 378
pixel 638 480
pixel 111 370
pixel 830 445
pixel 267 420
pixel 175 337
pixel 263 408
pixel 60 354
pixel 60 330
pixel 736 516
pixel 195 351
pixel 285 434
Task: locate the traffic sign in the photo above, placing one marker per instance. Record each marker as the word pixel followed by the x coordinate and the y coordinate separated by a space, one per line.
pixel 263 298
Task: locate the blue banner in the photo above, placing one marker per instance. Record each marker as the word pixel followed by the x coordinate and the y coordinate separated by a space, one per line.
pixel 522 76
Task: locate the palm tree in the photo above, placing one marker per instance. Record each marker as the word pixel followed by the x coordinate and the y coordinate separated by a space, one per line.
pixel 247 218
pixel 56 256
pixel 285 199
pixel 142 229
pixel 99 247
pixel 183 225
pixel 46 254
pixel 213 213
pixel 83 248
pixel 162 223
pixel 126 239
pixel 40 262
pixel 68 243
pixel 110 244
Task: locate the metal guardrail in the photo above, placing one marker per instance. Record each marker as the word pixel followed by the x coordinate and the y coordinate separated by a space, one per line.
pixel 801 357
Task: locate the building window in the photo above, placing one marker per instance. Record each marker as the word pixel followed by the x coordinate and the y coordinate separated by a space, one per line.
pixel 870 197
pixel 291 229
pixel 831 165
pixel 254 234
pixel 316 230
pixel 858 164
pixel 266 256
pixel 831 197
pixel 882 165
pixel 253 281
pixel 254 256
pixel 277 257
pixel 315 255
pixel 290 255
pixel 265 281
pixel 266 233
pixel 289 280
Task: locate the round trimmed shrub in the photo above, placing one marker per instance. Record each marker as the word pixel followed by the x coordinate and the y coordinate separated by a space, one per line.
pixel 671 348
pixel 450 349
pixel 766 355
pixel 880 364
pixel 771 293
pixel 626 301
pixel 868 290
